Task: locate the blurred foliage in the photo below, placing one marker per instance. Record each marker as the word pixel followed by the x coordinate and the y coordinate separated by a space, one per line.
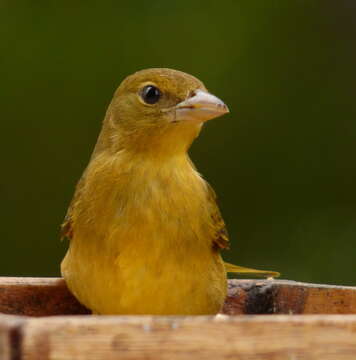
pixel 283 162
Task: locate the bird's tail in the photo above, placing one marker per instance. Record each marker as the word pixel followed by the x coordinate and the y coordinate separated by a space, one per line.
pixel 231 268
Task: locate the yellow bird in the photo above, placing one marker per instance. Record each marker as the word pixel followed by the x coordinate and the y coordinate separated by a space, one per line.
pixel 145 231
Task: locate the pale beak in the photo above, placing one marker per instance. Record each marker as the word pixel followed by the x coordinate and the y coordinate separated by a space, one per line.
pixel 201 106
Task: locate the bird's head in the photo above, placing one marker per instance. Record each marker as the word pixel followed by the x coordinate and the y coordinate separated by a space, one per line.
pixel 159 111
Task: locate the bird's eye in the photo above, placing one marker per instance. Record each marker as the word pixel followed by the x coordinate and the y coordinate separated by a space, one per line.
pixel 150 94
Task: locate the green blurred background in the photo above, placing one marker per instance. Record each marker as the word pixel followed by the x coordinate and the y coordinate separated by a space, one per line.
pixel 282 163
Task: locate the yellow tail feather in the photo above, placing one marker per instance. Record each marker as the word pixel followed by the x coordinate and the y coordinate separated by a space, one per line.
pixel 231 268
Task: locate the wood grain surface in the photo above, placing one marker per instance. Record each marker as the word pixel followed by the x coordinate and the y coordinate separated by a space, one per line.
pixel 10 337
pixel 31 334
pixel 288 297
pixel 37 297
pixel 250 337
pixel 50 296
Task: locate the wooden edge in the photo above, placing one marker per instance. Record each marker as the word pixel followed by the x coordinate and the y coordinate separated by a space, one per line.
pixel 10 337
pixel 31 281
pixel 288 297
pixel 278 337
pixel 37 297
pixel 50 296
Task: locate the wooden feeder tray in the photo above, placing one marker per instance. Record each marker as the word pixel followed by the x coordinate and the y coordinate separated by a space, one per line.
pixel 275 319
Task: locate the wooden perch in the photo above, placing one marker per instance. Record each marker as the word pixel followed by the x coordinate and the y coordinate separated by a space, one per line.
pixel 31 334
pixel 288 297
pixel 37 297
pixel 50 296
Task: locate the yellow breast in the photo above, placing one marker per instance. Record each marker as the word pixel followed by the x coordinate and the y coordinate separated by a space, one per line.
pixel 142 242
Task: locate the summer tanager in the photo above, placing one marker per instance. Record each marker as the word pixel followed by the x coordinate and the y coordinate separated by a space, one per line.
pixel 145 231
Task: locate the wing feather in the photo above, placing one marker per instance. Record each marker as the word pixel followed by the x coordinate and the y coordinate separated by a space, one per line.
pixel 221 236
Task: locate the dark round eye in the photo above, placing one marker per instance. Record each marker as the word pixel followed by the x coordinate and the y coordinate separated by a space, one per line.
pixel 150 94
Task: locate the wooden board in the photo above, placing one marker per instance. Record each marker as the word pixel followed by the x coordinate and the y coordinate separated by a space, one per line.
pixel 50 296
pixel 10 337
pixel 250 337
pixel 37 297
pixel 288 297
pixel 31 334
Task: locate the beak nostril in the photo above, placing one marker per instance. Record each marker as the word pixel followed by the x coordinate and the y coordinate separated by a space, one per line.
pixel 191 94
